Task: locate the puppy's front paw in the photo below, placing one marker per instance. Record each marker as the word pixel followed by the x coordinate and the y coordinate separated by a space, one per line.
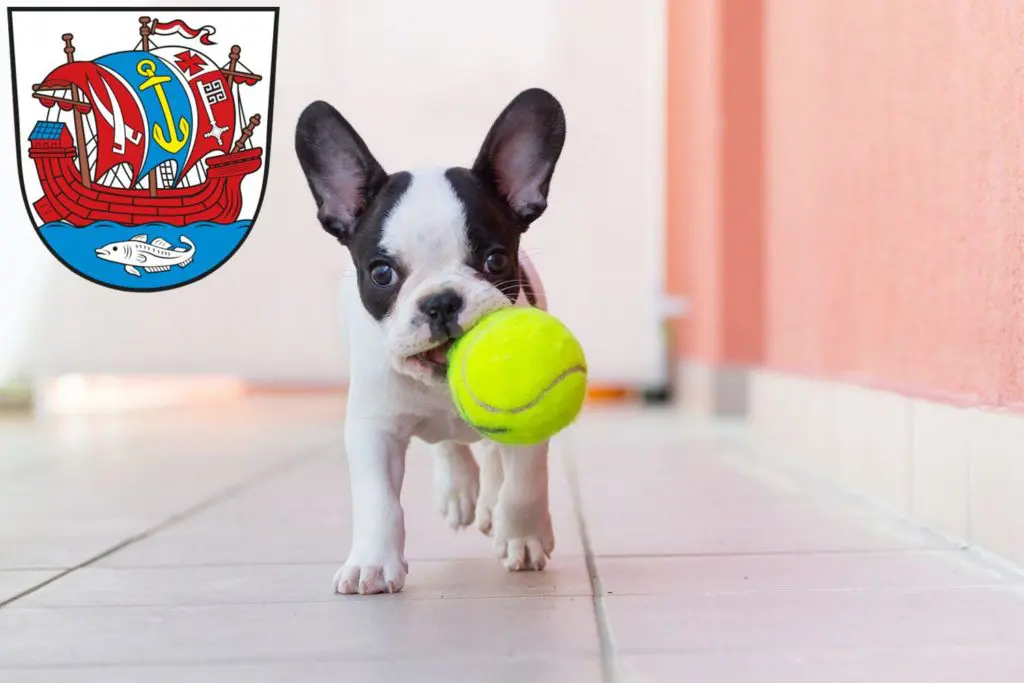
pixel 523 538
pixel 371 579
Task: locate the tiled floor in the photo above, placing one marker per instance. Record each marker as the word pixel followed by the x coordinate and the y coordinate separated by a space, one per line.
pixel 199 545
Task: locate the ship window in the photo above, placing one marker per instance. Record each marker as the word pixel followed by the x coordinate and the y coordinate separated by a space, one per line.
pixel 166 175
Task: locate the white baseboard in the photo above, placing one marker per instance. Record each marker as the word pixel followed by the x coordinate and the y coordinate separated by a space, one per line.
pixel 721 391
pixel 959 471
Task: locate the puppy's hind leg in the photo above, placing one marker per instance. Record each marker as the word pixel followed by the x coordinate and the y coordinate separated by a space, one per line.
pixel 491 476
pixel 456 483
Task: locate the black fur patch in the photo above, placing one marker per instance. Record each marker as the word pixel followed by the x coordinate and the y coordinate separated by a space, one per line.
pixel 366 249
pixel 490 224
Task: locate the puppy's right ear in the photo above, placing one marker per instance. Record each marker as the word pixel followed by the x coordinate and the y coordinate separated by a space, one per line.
pixel 341 172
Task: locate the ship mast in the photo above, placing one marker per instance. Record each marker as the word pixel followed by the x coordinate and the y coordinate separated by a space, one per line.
pixel 236 52
pixel 144 31
pixel 254 121
pixel 83 157
pixel 232 70
pixel 230 73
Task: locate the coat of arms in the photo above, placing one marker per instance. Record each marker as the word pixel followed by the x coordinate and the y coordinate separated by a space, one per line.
pixel 143 139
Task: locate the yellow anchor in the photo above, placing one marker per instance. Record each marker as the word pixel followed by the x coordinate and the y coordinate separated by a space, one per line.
pixel 147 68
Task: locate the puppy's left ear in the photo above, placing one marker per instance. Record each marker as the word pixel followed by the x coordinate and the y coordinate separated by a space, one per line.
pixel 519 154
pixel 342 173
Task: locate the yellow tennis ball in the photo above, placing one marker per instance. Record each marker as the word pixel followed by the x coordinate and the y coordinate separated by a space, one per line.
pixel 519 376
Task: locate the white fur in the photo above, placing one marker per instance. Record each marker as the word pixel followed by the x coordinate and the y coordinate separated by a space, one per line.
pixel 391 401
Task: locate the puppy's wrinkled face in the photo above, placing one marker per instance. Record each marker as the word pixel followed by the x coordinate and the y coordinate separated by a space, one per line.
pixel 438 253
pixel 434 250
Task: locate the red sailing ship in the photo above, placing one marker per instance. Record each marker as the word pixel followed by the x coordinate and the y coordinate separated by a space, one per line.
pixel 158 135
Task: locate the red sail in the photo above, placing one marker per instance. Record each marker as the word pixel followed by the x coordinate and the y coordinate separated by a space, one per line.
pixel 119 124
pixel 214 103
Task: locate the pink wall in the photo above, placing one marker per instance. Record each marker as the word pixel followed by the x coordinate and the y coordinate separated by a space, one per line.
pixel 714 176
pixel 742 182
pixel 895 203
pixel 846 190
pixel 692 172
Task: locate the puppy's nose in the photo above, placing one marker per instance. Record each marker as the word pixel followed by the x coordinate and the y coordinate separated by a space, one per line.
pixel 443 307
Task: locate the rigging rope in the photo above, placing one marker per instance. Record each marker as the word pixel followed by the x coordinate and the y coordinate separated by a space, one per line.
pixel 243 120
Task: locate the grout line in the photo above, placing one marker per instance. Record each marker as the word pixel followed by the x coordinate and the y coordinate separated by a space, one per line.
pixel 231 491
pixel 317 658
pixel 332 598
pixel 335 563
pixel 896 591
pixel 923 550
pixel 910 550
pixel 604 631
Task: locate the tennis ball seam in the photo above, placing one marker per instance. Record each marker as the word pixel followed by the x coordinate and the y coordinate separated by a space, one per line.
pixel 529 404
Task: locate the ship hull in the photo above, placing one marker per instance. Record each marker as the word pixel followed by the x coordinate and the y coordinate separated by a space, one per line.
pixel 66 198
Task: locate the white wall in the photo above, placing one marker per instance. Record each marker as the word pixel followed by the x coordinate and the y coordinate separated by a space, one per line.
pixel 421 82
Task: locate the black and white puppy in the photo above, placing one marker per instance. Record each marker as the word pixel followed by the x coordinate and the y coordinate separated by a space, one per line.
pixel 433 251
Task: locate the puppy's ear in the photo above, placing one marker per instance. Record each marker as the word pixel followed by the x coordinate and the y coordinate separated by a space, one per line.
pixel 520 151
pixel 341 172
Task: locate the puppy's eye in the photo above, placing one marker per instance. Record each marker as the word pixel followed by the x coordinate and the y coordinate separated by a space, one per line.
pixel 383 274
pixel 497 263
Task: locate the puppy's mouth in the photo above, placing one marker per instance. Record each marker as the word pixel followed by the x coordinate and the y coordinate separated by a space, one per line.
pixel 434 358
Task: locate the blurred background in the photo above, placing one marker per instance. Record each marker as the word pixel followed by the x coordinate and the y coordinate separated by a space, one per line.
pixel 787 232
pixel 422 84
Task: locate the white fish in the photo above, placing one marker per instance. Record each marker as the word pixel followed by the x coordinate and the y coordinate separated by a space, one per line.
pixel 152 257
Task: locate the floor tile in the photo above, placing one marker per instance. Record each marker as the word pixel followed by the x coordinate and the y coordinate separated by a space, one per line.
pixel 853 665
pixel 297 583
pixel 707 499
pixel 811 620
pixel 717 564
pixel 56 549
pixel 713 574
pixel 360 627
pixel 83 485
pixel 467 668
pixel 13 582
pixel 304 516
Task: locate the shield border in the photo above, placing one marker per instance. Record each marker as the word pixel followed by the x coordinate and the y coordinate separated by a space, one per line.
pixel 276 10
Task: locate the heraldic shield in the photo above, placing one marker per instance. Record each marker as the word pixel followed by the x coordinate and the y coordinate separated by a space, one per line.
pixel 143 138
